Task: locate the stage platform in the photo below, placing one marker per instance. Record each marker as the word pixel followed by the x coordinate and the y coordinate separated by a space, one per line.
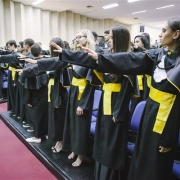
pixel 58 164
pixel 3 100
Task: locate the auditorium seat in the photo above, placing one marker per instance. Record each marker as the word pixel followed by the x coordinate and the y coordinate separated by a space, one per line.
pixel 93 127
pixel 135 121
pixel 97 96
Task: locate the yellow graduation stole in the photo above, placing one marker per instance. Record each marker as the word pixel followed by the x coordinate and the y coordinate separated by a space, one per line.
pixel 108 89
pixel 166 101
pixel 81 83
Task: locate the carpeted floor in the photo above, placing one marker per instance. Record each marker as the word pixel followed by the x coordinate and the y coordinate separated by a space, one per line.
pixel 16 161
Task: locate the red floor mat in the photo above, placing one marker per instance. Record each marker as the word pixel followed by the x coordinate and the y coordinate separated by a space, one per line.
pixel 16 161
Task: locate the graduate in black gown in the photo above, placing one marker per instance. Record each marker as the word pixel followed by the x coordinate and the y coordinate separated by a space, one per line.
pixel 157 138
pixel 11 92
pixel 36 99
pixel 141 44
pixel 80 103
pixel 3 67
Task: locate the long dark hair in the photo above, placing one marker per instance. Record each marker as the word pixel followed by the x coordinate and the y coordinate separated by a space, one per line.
pixel 144 41
pixel 174 23
pixel 59 42
pixel 148 37
pixel 121 43
pixel 121 38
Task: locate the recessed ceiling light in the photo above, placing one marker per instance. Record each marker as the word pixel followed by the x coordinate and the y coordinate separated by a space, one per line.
pixel 37 2
pixel 110 6
pixel 165 7
pixel 130 1
pixel 139 12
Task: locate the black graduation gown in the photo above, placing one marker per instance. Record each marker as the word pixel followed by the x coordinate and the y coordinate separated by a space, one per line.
pixel 58 95
pixel 147 162
pixel 20 109
pixel 77 128
pixel 3 66
pixel 12 60
pixel 110 141
pixel 36 95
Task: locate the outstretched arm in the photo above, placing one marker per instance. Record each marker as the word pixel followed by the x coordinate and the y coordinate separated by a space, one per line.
pixel 115 63
pixel 125 63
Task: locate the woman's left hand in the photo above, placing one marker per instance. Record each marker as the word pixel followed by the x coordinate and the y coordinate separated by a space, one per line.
pixel 114 119
pixel 79 111
pixel 163 149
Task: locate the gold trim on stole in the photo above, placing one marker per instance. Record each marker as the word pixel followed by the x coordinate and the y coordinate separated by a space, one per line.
pixel 51 83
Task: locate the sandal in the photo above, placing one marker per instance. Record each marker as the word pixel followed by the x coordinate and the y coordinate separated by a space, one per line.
pixel 57 148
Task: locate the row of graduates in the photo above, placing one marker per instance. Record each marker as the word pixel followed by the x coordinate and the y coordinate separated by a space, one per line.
pixel 156 145
pixel 69 121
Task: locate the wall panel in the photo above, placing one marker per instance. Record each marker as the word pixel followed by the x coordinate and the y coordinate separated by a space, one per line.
pixel 2 29
pixel 19 21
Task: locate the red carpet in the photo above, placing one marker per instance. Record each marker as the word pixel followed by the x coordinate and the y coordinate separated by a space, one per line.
pixel 16 161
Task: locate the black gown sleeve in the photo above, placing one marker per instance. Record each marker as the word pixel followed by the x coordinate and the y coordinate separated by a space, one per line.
pixel 79 58
pixel 9 58
pixel 115 63
pixel 4 52
pixel 126 63
pixel 49 64
pixel 31 70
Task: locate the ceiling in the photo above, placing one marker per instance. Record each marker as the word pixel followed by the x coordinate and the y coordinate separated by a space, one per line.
pixel 122 13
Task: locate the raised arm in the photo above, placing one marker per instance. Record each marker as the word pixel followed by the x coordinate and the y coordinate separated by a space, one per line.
pixel 125 63
pixel 79 58
pixel 9 58
pixel 49 64
pixel 115 63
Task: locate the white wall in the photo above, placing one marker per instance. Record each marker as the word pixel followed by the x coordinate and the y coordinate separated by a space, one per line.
pixel 153 32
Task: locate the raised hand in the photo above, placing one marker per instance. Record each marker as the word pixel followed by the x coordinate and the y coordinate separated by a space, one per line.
pixel 58 48
pixel 91 53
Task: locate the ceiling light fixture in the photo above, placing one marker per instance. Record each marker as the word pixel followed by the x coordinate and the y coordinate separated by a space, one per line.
pixel 110 6
pixel 130 1
pixel 37 2
pixel 165 7
pixel 139 12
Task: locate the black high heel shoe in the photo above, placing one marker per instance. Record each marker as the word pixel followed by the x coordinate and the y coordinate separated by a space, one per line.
pixel 57 148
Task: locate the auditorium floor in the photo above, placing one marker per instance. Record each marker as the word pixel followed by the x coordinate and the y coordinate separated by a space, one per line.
pixel 58 164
